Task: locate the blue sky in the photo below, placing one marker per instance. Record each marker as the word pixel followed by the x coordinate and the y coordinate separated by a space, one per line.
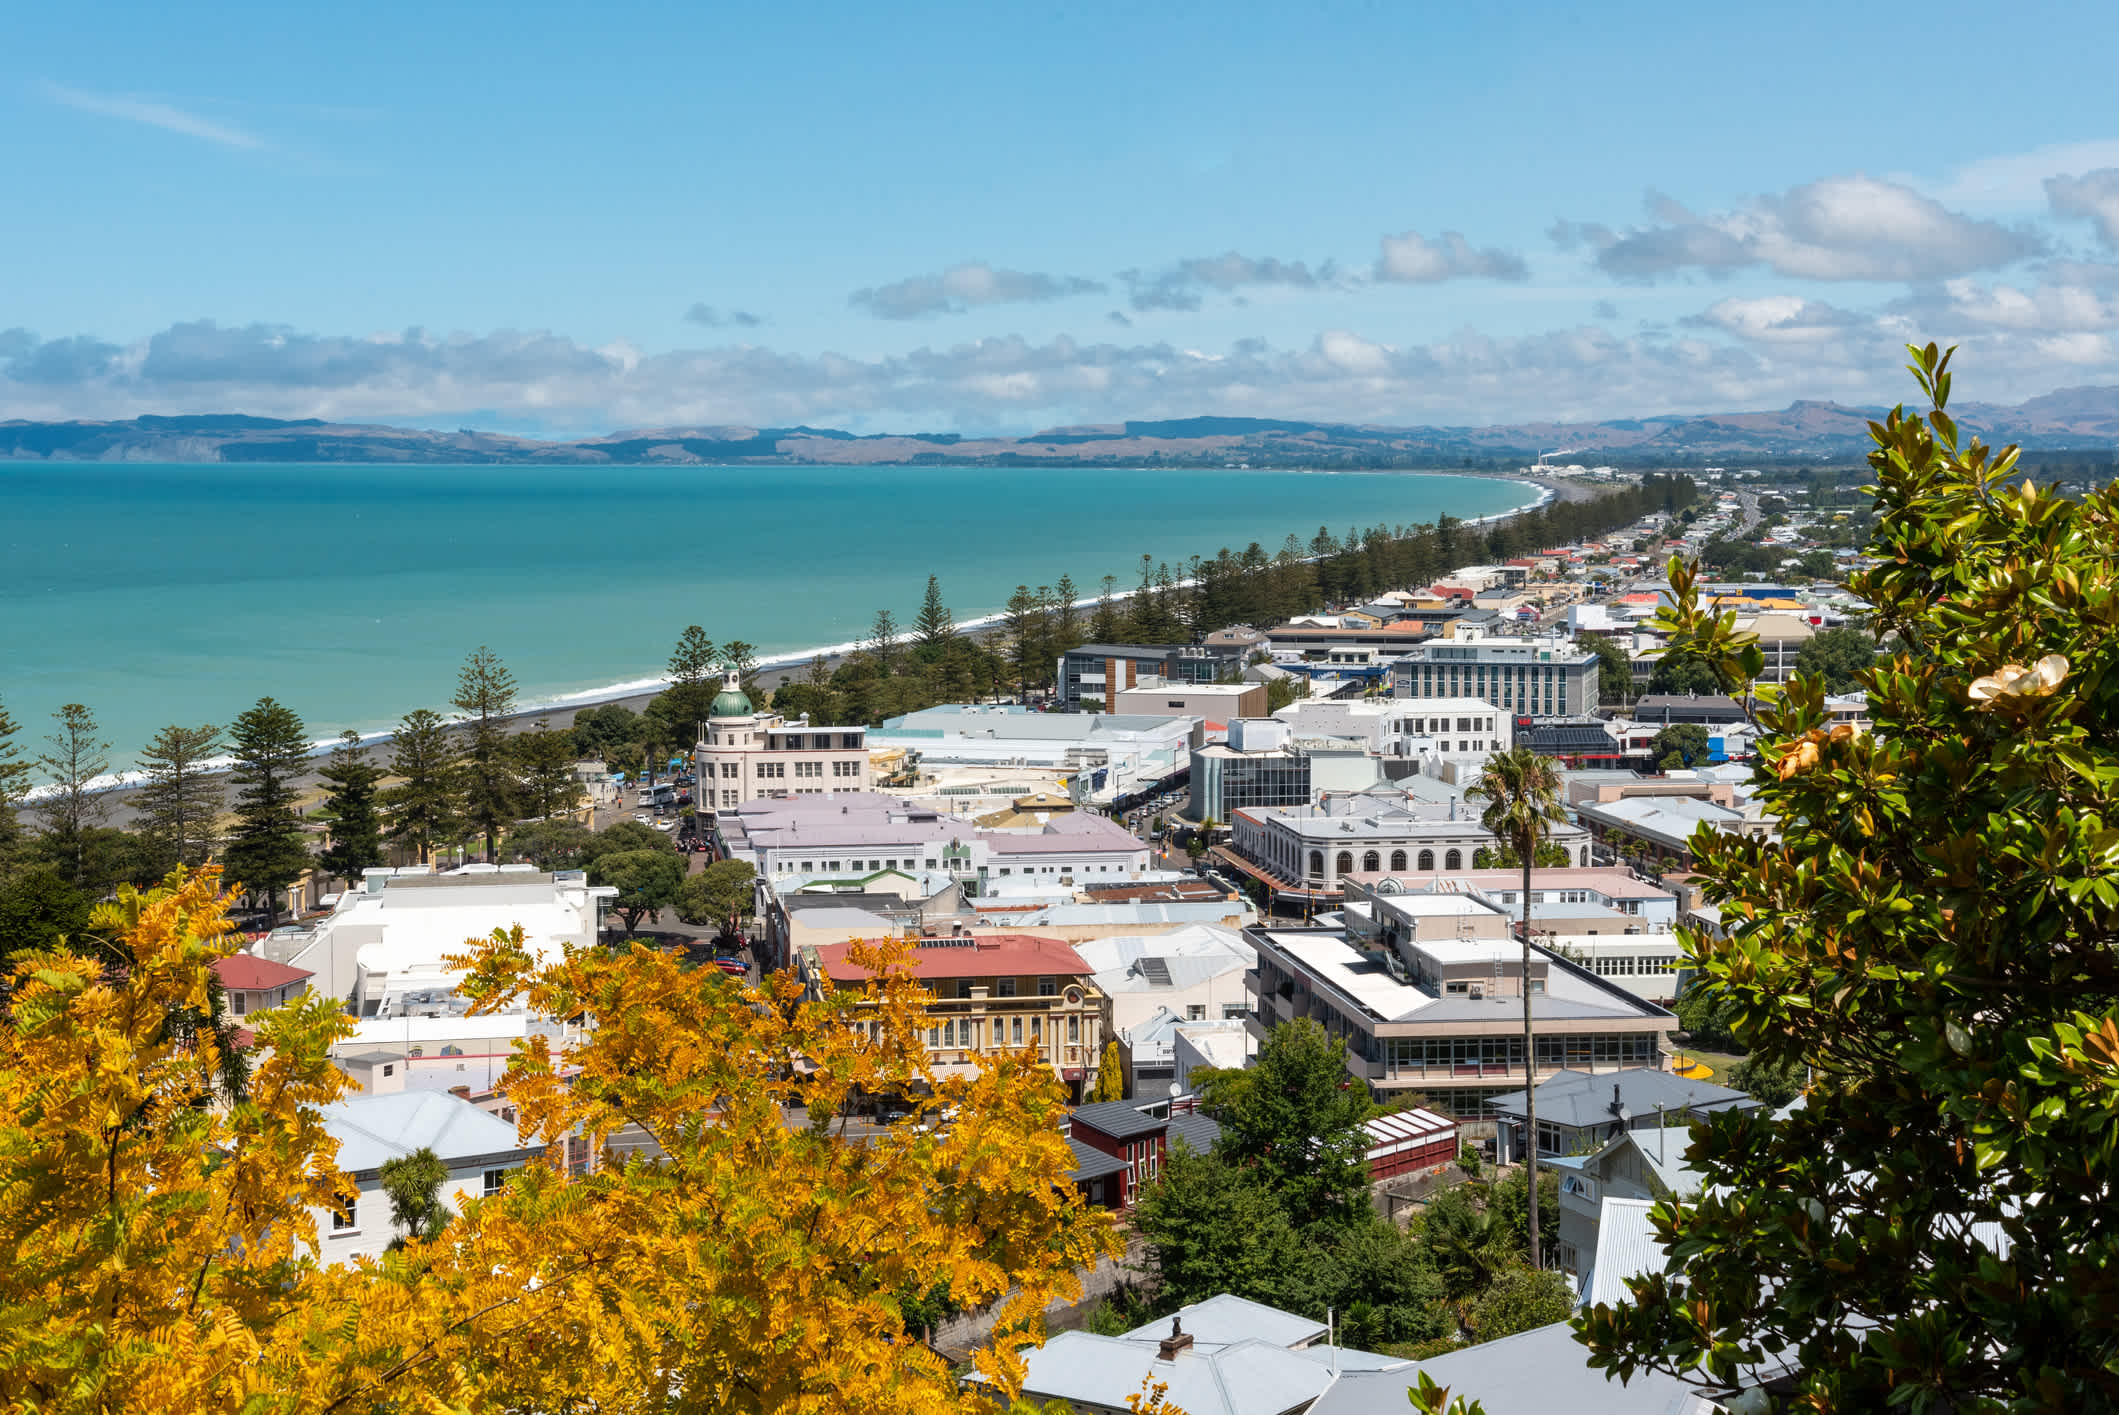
pixel 999 218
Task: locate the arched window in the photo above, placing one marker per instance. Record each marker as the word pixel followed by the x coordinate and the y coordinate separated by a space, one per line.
pixel 1372 862
pixel 1346 862
pixel 1454 860
pixel 1427 859
pixel 1317 864
pixel 1585 857
pixel 1397 859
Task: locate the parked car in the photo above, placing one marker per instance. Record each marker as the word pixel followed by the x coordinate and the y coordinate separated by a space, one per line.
pixel 735 966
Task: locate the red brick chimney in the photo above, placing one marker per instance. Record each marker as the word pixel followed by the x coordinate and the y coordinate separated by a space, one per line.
pixel 1178 1340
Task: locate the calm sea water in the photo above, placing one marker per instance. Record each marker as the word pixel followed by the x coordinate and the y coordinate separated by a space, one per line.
pixel 159 594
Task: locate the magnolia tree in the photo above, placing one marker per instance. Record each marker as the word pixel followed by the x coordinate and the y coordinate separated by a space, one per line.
pixel 1930 933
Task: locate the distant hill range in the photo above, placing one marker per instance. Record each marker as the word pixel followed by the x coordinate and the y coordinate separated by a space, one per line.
pixel 2073 419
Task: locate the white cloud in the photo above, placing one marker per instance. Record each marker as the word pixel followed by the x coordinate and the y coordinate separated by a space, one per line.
pixel 2019 179
pixel 1738 354
pixel 2094 197
pixel 1180 286
pixel 1778 319
pixel 153 114
pixel 962 287
pixel 1842 228
pixel 1413 259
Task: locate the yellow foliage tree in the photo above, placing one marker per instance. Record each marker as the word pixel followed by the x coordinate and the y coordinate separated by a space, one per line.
pixel 1110 1075
pixel 161 1256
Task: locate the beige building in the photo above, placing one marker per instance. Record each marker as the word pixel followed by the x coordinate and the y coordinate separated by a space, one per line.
pixel 749 755
pixel 998 992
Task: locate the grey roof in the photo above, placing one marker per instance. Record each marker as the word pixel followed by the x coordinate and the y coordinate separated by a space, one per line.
pixel 1663 1155
pixel 1626 1247
pixel 1577 1098
pixel 1227 1319
pixel 1243 1378
pixel 1092 1163
pixel 1200 1132
pixel 371 1130
pixel 1537 1372
pixel 1121 1120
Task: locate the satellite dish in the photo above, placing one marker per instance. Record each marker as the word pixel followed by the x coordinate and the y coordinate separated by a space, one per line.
pixel 1177 1088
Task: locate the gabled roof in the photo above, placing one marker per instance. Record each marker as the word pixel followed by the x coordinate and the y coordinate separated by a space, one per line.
pixel 1577 1098
pixel 1225 1319
pixel 1537 1372
pixel 374 1129
pixel 1626 1247
pixel 989 956
pixel 1121 1120
pixel 246 972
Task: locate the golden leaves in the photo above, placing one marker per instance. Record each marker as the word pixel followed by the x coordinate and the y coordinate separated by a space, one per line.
pixel 1808 750
pixel 162 1257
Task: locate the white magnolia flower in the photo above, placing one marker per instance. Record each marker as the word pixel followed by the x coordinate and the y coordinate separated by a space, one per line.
pixel 2013 680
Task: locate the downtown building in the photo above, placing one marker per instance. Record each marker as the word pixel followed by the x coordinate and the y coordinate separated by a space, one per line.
pixel 749 755
pixel 1533 678
pixel 1442 1017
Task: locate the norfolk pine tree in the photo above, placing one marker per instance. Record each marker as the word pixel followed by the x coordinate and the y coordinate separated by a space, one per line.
pixel 14 784
pixel 266 851
pixel 680 709
pixel 934 626
pixel 485 695
pixel 544 769
pixel 75 759
pixel 180 802
pixel 352 802
pixel 426 805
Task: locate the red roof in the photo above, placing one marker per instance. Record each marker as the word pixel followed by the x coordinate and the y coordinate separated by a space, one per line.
pixel 246 972
pixel 988 956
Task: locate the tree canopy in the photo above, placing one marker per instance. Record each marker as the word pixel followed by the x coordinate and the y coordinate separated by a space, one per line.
pixel 1680 745
pixel 1295 1117
pixel 646 880
pixel 163 1248
pixel 1838 657
pixel 267 850
pixel 1931 930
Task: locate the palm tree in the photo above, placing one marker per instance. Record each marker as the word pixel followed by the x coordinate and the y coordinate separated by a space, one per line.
pixel 1522 794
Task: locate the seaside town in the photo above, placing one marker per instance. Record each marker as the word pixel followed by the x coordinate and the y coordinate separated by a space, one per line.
pixel 1236 890
pixel 1081 709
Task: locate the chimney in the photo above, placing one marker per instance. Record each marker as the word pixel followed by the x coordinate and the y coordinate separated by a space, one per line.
pixel 1178 1340
pixel 462 1093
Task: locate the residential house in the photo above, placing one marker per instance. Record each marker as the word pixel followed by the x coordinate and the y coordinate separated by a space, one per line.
pixel 1223 1356
pixel 477 1149
pixel 1579 1110
pixel 1141 1133
pixel 253 984
pixel 1632 1166
pixel 1537 1372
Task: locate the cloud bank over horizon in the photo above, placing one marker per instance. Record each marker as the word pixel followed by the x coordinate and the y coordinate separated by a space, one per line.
pixel 1804 293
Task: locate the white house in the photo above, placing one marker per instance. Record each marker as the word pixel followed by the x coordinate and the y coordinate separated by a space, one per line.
pixel 477 1149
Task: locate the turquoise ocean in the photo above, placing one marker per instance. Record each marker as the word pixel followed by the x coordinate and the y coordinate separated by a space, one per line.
pixel 160 594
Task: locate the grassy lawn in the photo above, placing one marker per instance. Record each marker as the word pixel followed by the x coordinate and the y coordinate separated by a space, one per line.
pixel 1719 1062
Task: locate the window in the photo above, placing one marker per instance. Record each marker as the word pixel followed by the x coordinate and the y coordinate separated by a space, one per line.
pixel 1427 859
pixel 1454 860
pixel 1317 864
pixel 1234 1012
pixel 1372 862
pixel 235 1002
pixel 344 1220
pixel 1074 1029
pixel 1346 862
pixel 1048 987
pixel 1017 1031
pixel 1004 987
pixel 494 1178
pixel 1195 1012
pixel 1397 859
pixel 389 1068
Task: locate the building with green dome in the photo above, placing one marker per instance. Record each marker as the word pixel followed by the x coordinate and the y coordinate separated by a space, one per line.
pixel 753 755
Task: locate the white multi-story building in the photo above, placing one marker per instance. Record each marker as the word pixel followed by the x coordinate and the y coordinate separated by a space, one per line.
pixel 1306 851
pixel 1196 973
pixel 749 755
pixel 808 836
pixel 383 946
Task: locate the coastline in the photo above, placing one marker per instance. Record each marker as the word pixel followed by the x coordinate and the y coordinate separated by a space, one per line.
pixel 116 789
